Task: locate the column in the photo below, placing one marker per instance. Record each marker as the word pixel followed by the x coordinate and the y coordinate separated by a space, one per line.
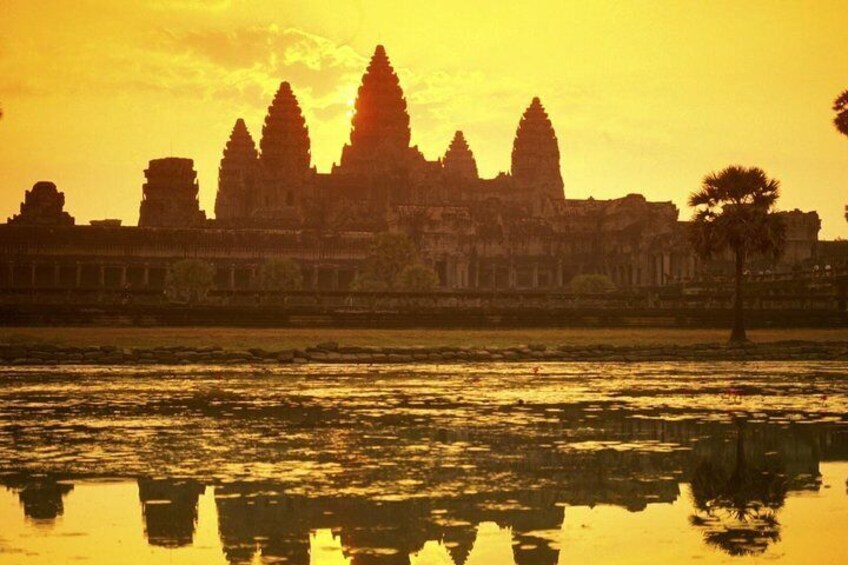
pixel 101 276
pixel 78 276
pixel 146 275
pixel 535 275
pixel 232 277
pixel 658 278
pixel 123 276
pixel 32 275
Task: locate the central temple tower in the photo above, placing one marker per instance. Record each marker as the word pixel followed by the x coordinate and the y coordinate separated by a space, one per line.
pixel 380 135
pixel 535 154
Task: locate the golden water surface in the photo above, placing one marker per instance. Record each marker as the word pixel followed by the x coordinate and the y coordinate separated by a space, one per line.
pixel 486 465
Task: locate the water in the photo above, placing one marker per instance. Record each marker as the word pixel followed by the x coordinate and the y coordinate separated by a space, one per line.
pixel 486 465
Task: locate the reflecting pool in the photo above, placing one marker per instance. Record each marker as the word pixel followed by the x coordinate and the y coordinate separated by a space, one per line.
pixel 441 464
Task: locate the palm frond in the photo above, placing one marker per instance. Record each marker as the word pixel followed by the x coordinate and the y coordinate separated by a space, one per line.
pixel 840 106
pixel 734 210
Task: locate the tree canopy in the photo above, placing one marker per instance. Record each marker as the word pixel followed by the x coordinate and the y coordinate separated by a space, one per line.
pixel 417 278
pixel 190 280
pixel 280 275
pixel 840 106
pixel 393 264
pixel 591 284
pixel 734 211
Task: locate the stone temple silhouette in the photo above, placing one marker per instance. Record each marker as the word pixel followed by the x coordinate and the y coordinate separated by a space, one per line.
pixel 380 176
pixel 514 231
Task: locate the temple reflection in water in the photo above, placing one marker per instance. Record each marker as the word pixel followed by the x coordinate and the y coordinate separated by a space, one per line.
pixel 740 475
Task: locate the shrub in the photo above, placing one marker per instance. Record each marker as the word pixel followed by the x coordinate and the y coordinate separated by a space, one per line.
pixel 390 254
pixel 365 281
pixel 280 275
pixel 190 280
pixel 417 278
pixel 591 284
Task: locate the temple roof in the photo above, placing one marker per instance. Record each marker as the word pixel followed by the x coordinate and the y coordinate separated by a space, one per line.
pixel 285 138
pixel 43 205
pixel 459 160
pixel 240 147
pixel 237 188
pixel 535 152
pixel 380 124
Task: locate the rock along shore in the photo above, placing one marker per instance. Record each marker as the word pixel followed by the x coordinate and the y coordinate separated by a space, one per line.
pixel 331 352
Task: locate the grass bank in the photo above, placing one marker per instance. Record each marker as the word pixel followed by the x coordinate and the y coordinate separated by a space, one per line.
pixel 285 338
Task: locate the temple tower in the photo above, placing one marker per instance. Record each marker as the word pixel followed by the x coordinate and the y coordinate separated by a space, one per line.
pixel 535 153
pixel 380 135
pixel 169 197
pixel 238 177
pixel 285 152
pixel 43 206
pixel 459 161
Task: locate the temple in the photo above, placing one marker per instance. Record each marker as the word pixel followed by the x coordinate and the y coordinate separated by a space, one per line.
pixel 514 231
pixel 43 206
pixel 169 197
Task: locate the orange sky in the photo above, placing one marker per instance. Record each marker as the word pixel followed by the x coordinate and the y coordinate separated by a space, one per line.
pixel 645 96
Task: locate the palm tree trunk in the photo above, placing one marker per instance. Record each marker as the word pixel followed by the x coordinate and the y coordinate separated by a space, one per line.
pixel 738 333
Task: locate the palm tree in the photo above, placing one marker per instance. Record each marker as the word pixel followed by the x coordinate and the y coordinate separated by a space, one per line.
pixel 840 106
pixel 735 212
pixel 416 222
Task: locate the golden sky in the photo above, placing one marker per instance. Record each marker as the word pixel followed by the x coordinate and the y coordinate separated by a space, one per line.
pixel 645 96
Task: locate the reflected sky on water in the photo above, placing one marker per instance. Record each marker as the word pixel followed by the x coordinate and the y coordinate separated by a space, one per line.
pixel 511 463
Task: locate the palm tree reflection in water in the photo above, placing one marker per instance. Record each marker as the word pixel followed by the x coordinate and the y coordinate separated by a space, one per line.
pixel 737 508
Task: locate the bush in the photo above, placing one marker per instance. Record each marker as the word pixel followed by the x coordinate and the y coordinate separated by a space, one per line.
pixel 591 284
pixel 417 278
pixel 280 275
pixel 390 254
pixel 190 280
pixel 365 281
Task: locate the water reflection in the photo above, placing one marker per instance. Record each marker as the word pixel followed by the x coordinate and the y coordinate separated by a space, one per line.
pixel 737 502
pixel 169 508
pixel 413 467
pixel 41 497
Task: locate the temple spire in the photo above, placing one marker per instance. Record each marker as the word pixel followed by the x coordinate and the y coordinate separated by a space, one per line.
pixel 285 138
pixel 237 176
pixel 459 160
pixel 380 124
pixel 535 152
